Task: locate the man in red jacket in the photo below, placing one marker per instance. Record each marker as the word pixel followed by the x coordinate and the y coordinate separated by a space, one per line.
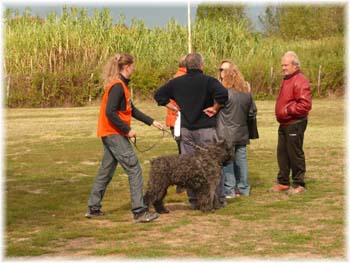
pixel 292 107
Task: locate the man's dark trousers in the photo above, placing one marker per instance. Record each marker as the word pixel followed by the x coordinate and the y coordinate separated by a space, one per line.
pixel 290 154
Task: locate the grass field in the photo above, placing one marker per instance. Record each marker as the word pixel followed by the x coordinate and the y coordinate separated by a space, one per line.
pixel 52 156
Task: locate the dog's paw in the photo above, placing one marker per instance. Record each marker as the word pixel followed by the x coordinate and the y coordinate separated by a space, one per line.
pixel 162 210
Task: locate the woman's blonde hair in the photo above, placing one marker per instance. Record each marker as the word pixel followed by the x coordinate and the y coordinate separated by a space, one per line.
pixel 112 69
pixel 233 78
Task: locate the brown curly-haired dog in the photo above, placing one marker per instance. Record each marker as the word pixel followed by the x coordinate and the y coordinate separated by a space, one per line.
pixel 199 171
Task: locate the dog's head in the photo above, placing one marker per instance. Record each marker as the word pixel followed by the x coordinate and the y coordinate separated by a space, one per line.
pixel 222 151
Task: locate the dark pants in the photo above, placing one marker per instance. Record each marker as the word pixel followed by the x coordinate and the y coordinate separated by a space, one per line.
pixel 177 141
pixel 290 154
pixel 201 137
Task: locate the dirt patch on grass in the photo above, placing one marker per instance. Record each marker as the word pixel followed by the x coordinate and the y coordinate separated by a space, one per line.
pixel 76 247
pixel 100 223
pixel 35 191
pixel 90 163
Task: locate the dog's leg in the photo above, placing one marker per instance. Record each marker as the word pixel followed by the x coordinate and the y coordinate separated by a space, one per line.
pixel 214 198
pixel 160 208
pixel 146 198
pixel 151 193
pixel 216 202
pixel 204 199
pixel 158 203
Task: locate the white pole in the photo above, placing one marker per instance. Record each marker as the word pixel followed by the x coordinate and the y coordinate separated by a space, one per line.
pixel 8 80
pixel 189 26
pixel 91 76
pixel 271 76
pixel 42 88
pixel 319 79
pixel 8 88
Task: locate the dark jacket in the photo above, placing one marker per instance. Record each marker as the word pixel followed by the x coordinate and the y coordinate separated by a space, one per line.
pixel 193 93
pixel 233 118
pixel 294 99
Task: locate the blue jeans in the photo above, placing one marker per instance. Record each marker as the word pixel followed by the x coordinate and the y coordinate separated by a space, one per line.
pixel 236 173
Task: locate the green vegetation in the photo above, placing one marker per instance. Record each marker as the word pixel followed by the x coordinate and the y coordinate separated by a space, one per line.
pixel 295 22
pixel 231 13
pixel 57 61
pixel 52 157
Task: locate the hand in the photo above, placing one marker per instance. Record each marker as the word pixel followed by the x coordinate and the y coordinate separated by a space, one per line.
pixel 210 111
pixel 172 107
pixel 132 134
pixel 157 125
pixel 287 111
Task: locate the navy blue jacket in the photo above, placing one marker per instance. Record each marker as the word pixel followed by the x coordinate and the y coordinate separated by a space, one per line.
pixel 193 92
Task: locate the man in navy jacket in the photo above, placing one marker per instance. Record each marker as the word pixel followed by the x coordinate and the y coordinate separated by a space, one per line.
pixel 193 93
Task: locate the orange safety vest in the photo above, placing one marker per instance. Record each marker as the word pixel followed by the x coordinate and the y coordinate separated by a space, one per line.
pixel 172 115
pixel 105 126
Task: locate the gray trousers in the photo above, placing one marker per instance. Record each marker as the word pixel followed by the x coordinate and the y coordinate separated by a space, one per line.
pixel 118 149
pixel 201 137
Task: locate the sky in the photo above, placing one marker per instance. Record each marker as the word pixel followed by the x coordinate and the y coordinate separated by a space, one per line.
pixel 152 13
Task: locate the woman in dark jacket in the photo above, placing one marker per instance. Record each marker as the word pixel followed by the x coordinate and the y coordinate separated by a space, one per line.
pixel 233 120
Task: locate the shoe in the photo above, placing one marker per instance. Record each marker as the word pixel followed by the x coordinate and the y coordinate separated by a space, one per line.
pixel 94 213
pixel 279 188
pixel 229 196
pixel 296 190
pixel 145 217
pixel 237 193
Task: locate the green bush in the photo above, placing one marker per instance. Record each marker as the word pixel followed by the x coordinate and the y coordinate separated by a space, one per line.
pixel 58 61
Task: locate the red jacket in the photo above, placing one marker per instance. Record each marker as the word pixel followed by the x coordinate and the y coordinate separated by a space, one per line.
pixel 294 100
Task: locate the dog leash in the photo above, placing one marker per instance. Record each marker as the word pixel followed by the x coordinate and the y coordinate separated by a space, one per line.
pixel 153 145
pixel 147 149
pixel 190 143
pixel 196 146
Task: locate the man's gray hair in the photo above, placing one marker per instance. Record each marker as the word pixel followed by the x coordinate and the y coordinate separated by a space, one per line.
pixel 182 62
pixel 194 61
pixel 295 59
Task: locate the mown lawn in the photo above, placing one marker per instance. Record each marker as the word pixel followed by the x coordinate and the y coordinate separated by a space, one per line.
pixel 52 156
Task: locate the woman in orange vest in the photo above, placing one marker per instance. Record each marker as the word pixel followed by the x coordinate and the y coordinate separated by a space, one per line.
pixel 171 114
pixel 114 129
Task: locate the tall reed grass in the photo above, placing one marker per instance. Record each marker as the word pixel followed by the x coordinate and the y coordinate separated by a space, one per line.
pixel 57 61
